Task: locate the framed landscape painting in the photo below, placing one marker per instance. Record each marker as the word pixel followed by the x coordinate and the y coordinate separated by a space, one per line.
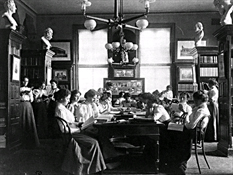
pixel 62 50
pixel 184 49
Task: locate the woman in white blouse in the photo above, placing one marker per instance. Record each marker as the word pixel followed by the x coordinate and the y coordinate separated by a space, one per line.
pixel 29 131
pixel 84 155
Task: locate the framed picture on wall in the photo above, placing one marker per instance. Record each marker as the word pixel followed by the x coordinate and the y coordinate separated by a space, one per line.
pixel 186 74
pixel 62 50
pixel 123 72
pixel 15 68
pixel 60 75
pixel 184 49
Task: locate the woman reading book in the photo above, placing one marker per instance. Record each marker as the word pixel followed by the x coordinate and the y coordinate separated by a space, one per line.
pixel 88 157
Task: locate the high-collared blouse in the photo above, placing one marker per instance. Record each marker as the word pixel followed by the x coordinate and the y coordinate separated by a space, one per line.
pixel 87 110
pixel 73 107
pixel 197 114
pixel 213 94
pixel 26 94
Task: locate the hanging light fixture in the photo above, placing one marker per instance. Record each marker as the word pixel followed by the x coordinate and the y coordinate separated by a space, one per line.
pixel 122 47
pixel 118 19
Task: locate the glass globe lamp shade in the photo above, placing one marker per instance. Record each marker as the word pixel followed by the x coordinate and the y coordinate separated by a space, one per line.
pixel 135 60
pixel 115 45
pixel 110 60
pixel 90 24
pixel 128 45
pixel 142 23
pixel 135 47
pixel 108 46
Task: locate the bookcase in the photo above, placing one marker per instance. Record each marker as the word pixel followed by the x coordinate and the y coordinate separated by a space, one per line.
pixel 186 79
pixel 224 36
pixel 36 65
pixel 10 128
pixel 206 64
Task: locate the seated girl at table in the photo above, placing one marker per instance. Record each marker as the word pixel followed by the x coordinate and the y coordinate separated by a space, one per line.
pixel 84 155
pixel 104 104
pixel 128 102
pixel 176 146
pixel 74 103
pixel 155 110
pixel 89 110
pixel 120 99
pixel 182 108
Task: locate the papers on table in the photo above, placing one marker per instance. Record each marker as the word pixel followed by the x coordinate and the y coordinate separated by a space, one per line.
pixel 105 117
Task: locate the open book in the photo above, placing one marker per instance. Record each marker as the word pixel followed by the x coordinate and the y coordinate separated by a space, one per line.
pixel 87 123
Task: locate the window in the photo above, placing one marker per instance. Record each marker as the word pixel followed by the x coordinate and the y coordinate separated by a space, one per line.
pixel 155 58
pixel 93 66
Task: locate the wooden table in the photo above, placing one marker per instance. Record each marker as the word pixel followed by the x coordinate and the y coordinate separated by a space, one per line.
pixel 132 129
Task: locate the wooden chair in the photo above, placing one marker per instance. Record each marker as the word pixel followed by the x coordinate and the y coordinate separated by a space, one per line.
pixel 199 137
pixel 65 132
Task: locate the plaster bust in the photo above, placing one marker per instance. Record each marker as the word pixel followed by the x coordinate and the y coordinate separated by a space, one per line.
pixel 199 33
pixel 225 9
pixel 10 10
pixel 48 35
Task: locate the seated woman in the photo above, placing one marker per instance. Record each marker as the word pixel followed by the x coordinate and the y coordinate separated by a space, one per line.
pixel 176 146
pixel 88 110
pixel 105 104
pixel 84 155
pixel 129 102
pixel 73 105
pixel 120 99
pixel 155 110
pixel 183 107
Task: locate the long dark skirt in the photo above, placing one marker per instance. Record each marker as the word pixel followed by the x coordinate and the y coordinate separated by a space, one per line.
pixel 40 113
pixel 83 156
pixel 29 132
pixel 212 127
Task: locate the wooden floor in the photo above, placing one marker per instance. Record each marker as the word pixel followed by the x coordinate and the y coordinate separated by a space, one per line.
pixel 47 160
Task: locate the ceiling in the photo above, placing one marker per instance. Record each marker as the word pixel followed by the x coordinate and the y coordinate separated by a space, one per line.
pixel 61 7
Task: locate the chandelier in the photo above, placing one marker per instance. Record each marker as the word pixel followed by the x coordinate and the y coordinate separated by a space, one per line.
pixel 119 22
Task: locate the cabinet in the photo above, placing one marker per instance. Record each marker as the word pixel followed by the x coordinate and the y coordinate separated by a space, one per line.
pixel 36 65
pixel 10 131
pixel 224 36
pixel 206 64
pixel 186 79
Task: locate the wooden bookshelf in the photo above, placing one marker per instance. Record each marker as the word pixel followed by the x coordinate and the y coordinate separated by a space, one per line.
pixel 206 64
pixel 224 36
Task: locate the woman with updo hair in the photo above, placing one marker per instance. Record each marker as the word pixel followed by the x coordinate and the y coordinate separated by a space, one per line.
pixel 74 103
pixel 88 108
pixel 83 155
pixel 176 146
pixel 213 94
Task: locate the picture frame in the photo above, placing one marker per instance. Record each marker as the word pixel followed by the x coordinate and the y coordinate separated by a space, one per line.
pixel 62 50
pixel 184 49
pixel 134 86
pixel 60 75
pixel 129 73
pixel 15 68
pixel 186 74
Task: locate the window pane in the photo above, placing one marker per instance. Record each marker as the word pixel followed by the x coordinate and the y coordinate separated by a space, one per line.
pixel 92 47
pixel 91 78
pixel 156 77
pixel 154 46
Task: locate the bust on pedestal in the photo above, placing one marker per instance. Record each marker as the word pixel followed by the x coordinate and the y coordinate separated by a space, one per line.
pixel 10 10
pixel 48 35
